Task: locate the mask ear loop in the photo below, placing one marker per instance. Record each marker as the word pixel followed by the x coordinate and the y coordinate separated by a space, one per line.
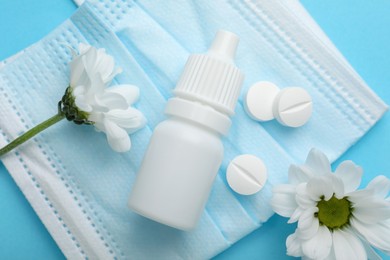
pixel 73 52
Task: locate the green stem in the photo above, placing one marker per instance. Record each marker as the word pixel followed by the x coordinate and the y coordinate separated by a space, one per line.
pixel 31 133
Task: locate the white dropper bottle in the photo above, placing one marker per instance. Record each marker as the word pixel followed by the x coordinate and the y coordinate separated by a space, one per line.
pixel 186 151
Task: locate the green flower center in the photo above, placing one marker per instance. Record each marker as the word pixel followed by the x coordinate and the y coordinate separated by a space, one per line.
pixel 68 108
pixel 334 213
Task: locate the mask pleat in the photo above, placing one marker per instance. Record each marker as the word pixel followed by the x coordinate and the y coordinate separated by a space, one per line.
pixel 151 43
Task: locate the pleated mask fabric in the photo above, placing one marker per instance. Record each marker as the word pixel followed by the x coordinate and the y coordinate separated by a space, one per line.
pixel 79 187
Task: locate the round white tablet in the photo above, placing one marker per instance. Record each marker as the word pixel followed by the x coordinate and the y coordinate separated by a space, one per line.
pixel 292 107
pixel 246 174
pixel 259 100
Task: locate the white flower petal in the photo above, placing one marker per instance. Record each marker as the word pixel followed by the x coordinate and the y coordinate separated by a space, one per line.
pixel 115 72
pixel 331 255
pixel 314 181
pixel 318 162
pixel 92 57
pixel 96 85
pixel 370 210
pixel 350 174
pixel 99 126
pixel 84 80
pixel 130 119
pixel 97 117
pixel 297 175
pixel 347 246
pixel 76 71
pixel 308 224
pixel 117 137
pixel 358 195
pixel 337 186
pixel 81 103
pixel 110 101
pixel 78 90
pixel 293 244
pixel 380 185
pixel 90 62
pixel 89 59
pixel 319 246
pixel 377 234
pixel 371 254
pixel 105 64
pixel 91 72
pixel 302 197
pixel 320 186
pixel 296 215
pixel 83 48
pixel 129 92
pixel 283 199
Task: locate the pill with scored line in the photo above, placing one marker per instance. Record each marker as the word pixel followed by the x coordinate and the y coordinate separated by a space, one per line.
pixel 246 174
pixel 290 106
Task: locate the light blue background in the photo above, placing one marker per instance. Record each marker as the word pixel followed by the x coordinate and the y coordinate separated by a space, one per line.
pixel 360 29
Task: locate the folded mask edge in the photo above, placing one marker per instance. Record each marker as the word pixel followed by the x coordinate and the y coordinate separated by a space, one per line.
pixel 33 192
pixel 344 80
pixel 74 237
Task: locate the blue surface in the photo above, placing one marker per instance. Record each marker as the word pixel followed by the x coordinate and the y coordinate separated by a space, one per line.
pixel 360 29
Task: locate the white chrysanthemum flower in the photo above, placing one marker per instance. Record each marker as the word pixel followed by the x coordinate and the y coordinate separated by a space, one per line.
pixel 90 61
pixel 88 100
pixel 335 220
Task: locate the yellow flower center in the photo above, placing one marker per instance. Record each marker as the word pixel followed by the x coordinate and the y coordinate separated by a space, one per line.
pixel 334 213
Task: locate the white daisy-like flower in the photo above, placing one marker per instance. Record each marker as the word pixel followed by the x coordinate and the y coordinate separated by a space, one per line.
pixel 335 220
pixel 90 61
pixel 89 101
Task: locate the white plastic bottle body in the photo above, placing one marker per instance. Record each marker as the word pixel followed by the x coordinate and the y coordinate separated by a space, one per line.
pixel 186 151
pixel 177 173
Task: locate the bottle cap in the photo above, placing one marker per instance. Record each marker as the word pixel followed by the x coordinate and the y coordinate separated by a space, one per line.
pixel 212 78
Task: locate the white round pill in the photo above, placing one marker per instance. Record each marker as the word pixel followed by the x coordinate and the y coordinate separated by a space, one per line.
pixel 246 174
pixel 259 100
pixel 292 107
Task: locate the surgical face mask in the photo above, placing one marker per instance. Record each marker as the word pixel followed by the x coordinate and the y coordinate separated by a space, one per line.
pixel 79 187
